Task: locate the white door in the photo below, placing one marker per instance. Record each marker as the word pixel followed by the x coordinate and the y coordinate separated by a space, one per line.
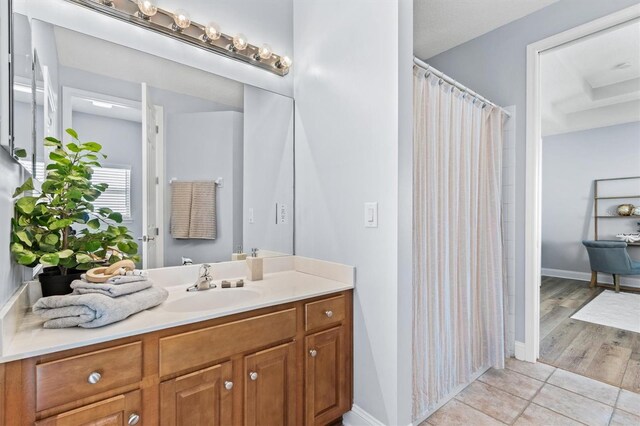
pixel 150 225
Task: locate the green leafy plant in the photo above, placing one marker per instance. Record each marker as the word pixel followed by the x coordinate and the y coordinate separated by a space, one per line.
pixel 58 225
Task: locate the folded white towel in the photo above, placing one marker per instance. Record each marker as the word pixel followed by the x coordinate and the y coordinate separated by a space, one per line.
pixel 112 290
pixel 95 310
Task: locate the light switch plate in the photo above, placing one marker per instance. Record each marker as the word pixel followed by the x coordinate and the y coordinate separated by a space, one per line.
pixel 371 215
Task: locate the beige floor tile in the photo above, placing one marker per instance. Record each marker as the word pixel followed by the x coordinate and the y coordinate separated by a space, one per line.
pixel 622 418
pixel 536 415
pixel 537 371
pixel 512 382
pixel 585 386
pixel 492 401
pixel 629 402
pixel 575 406
pixel 455 413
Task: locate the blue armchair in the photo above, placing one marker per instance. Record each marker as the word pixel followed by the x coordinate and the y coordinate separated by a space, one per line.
pixel 610 257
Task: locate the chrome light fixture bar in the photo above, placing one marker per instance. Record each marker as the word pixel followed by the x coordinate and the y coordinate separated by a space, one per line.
pixel 145 13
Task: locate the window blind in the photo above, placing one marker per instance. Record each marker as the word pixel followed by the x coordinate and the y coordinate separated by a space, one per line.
pixel 117 197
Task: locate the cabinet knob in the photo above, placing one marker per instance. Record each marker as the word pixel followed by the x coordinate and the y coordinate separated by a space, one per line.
pixel 133 419
pixel 94 377
pixel 329 314
pixel 228 385
pixel 253 375
pixel 313 352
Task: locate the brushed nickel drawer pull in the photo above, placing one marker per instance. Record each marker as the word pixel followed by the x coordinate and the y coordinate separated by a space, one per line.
pixel 94 377
pixel 253 375
pixel 228 385
pixel 134 418
pixel 329 314
pixel 313 353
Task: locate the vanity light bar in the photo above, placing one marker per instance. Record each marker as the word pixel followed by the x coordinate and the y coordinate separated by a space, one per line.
pixel 146 14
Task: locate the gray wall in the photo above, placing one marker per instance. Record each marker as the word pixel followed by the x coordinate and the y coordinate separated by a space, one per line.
pixel 200 146
pixel 121 141
pixel 352 127
pixel 494 65
pixel 268 170
pixel 570 163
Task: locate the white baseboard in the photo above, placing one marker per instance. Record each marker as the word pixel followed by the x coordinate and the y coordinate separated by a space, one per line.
pixel 586 276
pixel 519 350
pixel 359 417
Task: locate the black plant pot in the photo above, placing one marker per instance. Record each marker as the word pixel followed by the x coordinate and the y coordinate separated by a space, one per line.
pixel 54 284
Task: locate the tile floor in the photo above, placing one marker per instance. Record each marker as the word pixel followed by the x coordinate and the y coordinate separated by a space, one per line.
pixel 541 395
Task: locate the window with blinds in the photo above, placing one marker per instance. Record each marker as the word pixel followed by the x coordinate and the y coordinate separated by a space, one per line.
pixel 117 197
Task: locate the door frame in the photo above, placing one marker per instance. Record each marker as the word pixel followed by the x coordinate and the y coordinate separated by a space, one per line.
pixel 68 93
pixel 533 213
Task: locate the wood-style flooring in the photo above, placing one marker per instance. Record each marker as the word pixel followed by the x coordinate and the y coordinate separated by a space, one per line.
pixel 603 353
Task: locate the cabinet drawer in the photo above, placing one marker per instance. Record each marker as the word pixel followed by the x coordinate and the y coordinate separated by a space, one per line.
pixel 197 348
pixel 68 379
pixel 324 312
pixel 116 411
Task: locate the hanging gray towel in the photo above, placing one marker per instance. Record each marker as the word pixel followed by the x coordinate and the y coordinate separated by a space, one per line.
pixel 202 224
pixel 181 193
pixel 95 310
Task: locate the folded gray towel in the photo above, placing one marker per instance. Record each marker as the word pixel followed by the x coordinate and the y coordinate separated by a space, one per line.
pixel 112 290
pixel 95 310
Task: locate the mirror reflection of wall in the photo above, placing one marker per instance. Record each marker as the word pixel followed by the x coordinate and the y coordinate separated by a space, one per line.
pixel 161 122
pixel 591 130
pixel 23 116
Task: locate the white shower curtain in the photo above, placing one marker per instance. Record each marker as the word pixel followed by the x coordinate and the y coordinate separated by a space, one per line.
pixel 458 284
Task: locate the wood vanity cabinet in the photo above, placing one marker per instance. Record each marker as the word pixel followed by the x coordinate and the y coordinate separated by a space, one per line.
pixel 286 365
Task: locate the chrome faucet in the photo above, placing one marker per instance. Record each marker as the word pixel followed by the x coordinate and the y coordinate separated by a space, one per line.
pixel 186 261
pixel 205 279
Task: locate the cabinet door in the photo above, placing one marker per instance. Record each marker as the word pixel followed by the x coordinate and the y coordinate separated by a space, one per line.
pixel 326 381
pixel 120 410
pixel 270 387
pixel 203 398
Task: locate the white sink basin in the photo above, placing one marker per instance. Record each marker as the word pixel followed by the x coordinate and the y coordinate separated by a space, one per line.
pixel 210 299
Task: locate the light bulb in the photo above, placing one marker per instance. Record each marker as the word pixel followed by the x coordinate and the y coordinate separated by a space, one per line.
pixel 265 52
pixel 147 8
pixel 284 62
pixel 181 20
pixel 240 42
pixel 212 31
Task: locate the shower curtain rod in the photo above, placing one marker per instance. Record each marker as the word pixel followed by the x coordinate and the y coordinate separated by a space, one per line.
pixel 454 83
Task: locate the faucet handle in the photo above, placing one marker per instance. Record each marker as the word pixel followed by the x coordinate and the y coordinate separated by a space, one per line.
pixel 205 271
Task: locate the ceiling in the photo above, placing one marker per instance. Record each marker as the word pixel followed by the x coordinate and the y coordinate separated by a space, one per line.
pixel 593 82
pixel 86 53
pixel 439 25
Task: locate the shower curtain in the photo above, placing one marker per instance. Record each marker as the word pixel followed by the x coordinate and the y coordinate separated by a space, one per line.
pixel 458 285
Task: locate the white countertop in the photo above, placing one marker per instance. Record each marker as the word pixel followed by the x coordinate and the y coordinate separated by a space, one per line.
pixel 303 281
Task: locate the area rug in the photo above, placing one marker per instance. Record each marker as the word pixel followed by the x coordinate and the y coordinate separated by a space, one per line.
pixel 618 310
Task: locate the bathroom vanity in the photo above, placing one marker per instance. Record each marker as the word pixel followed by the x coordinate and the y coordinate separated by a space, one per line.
pixel 280 357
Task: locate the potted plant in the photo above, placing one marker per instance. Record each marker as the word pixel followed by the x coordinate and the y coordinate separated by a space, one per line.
pixel 58 226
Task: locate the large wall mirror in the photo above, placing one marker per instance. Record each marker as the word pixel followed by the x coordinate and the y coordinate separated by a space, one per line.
pixel 176 137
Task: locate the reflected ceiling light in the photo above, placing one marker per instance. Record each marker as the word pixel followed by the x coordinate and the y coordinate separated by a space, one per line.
pixel 23 88
pixel 240 42
pixel 181 20
pixel 147 9
pixel 284 62
pixel 211 32
pixel 264 52
pixel 102 104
